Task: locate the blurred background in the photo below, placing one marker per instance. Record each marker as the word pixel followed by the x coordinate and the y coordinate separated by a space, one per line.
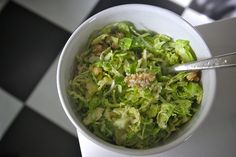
pixel 32 35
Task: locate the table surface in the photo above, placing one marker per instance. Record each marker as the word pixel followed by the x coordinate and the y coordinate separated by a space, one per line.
pixel 216 137
pixel 32 34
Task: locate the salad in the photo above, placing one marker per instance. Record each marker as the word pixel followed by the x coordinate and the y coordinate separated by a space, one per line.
pixel 120 92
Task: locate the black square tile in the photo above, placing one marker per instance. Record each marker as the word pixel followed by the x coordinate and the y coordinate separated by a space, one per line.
pixel 104 4
pixel 31 135
pixel 215 9
pixel 29 44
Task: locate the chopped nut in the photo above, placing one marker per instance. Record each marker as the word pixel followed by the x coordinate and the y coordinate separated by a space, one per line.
pixel 193 76
pixel 140 80
pixel 114 46
pixel 119 34
pixel 97 49
pixel 96 71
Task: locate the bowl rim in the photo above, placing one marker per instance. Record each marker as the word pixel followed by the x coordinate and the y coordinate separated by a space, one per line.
pixel 107 145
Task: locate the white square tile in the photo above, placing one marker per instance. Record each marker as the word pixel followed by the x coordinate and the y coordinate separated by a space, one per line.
pixel 183 3
pixel 66 13
pixel 89 149
pixel 44 100
pixel 195 18
pixel 9 109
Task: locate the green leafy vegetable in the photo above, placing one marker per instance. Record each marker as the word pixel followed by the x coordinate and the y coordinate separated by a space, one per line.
pixel 164 114
pixel 125 43
pixel 120 92
pixel 184 50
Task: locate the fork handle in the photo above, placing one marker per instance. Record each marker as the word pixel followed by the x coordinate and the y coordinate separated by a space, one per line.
pixel 221 61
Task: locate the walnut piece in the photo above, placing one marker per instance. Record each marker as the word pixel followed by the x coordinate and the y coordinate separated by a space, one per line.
pixel 193 76
pixel 97 49
pixel 119 35
pixel 96 70
pixel 139 80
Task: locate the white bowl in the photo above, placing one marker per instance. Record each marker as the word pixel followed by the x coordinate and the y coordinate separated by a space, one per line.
pixel 143 16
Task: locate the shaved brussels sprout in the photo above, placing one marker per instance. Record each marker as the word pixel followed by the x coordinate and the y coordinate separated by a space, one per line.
pixel 121 93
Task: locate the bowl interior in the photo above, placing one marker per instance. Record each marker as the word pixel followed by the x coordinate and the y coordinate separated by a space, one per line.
pixel 143 16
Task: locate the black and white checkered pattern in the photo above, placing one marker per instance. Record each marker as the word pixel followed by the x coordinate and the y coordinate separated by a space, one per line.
pixel 32 34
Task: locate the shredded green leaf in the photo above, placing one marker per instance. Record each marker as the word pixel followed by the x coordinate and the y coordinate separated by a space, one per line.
pixel 120 92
